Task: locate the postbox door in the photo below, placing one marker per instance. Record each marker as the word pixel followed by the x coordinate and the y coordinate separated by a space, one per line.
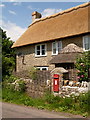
pixel 56 83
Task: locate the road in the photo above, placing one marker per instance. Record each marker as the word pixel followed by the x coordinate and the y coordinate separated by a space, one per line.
pixel 19 111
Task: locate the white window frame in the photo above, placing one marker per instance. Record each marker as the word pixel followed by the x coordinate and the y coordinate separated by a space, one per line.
pixel 42 68
pixel 53 48
pixel 56 42
pixel 40 50
pixel 86 36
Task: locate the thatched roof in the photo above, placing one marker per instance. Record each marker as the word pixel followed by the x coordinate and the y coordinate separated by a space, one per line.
pixel 67 23
pixel 72 48
pixel 59 70
pixel 67 55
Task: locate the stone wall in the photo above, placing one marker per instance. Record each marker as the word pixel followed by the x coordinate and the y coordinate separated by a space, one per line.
pixel 44 82
pixel 72 89
pixel 38 87
pixel 25 58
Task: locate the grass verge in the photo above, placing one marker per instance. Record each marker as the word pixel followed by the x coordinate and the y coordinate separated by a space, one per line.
pixel 74 104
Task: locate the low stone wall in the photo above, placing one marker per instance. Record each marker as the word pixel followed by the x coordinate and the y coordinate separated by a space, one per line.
pixel 44 81
pixel 74 90
pixel 38 87
pixel 36 90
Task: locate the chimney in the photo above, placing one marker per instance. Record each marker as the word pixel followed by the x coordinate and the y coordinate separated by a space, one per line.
pixel 36 15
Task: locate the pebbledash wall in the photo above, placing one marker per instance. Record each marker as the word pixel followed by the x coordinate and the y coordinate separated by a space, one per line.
pixel 25 55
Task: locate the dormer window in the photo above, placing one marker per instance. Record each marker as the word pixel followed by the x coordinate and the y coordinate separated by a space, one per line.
pixel 40 50
pixel 86 42
pixel 56 47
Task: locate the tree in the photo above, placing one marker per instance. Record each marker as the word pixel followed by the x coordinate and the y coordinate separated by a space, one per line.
pixel 83 65
pixel 8 55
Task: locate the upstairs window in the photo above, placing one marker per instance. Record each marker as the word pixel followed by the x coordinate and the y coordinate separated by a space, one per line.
pixel 56 47
pixel 59 44
pixel 40 50
pixel 86 43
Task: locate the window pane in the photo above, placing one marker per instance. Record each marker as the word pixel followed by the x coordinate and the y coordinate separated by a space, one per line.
pixel 54 48
pixel 54 51
pixel 38 47
pixel 54 45
pixel 59 43
pixel 87 42
pixel 59 46
pixel 38 52
pixel 43 47
pixel 44 69
pixel 43 52
pixel 86 46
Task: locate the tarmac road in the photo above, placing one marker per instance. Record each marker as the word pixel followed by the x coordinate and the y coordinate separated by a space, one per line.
pixel 19 111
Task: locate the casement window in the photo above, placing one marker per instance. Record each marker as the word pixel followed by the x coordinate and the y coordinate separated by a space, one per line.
pixel 56 47
pixel 42 68
pixel 59 44
pixel 40 50
pixel 86 42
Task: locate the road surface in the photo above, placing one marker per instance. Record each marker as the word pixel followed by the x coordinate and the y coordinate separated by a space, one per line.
pixel 19 111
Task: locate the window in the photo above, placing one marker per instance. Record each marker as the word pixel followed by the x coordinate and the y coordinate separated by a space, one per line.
pixel 56 47
pixel 42 68
pixel 86 42
pixel 59 44
pixel 40 50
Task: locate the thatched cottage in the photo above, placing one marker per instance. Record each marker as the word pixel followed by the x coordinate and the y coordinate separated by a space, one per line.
pixel 45 43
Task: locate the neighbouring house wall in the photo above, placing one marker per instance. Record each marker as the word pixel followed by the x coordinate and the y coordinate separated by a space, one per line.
pixel 28 60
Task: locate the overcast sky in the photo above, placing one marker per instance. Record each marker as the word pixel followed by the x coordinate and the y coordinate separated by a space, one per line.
pixel 16 16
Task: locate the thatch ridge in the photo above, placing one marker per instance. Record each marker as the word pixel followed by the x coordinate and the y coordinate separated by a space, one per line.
pixel 61 13
pixel 62 26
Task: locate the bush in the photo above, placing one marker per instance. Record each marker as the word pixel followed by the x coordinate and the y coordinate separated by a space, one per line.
pixel 83 64
pixel 21 86
pixel 10 79
pixel 33 74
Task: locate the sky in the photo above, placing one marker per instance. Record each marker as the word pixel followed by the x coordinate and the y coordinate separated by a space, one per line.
pixel 16 16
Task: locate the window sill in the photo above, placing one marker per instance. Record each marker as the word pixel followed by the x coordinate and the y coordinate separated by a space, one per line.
pixel 86 50
pixel 36 56
pixel 54 54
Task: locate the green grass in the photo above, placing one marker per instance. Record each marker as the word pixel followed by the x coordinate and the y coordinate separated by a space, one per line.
pixel 75 105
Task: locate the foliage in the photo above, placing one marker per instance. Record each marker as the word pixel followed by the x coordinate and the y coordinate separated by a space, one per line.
pixel 8 55
pixel 71 104
pixel 10 79
pixel 13 83
pixel 83 64
pixel 33 74
pixel 21 86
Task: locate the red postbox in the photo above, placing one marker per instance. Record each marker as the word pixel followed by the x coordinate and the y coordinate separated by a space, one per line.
pixel 56 83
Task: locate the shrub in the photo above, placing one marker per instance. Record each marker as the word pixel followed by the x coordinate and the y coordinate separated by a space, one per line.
pixel 83 64
pixel 33 74
pixel 21 86
pixel 10 79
